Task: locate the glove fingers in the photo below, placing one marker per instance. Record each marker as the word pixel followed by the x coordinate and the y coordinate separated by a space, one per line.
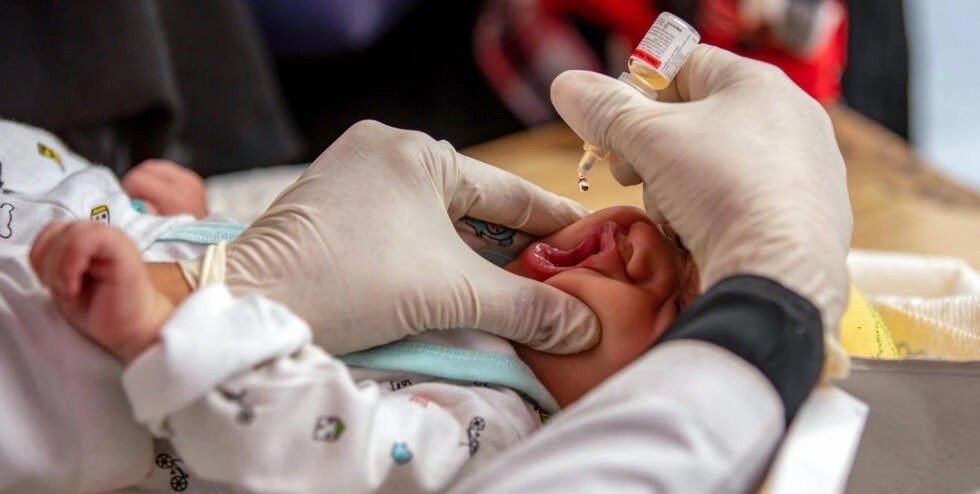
pixel 594 104
pixel 626 175
pixel 653 211
pixel 623 171
pixel 492 194
pixel 535 314
pixel 707 72
pixel 602 110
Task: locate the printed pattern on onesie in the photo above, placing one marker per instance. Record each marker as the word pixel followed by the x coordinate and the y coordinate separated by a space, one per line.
pixel 411 397
pixel 170 474
pixel 42 180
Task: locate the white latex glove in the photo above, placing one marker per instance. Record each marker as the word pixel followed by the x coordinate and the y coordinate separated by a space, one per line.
pixel 741 162
pixel 363 247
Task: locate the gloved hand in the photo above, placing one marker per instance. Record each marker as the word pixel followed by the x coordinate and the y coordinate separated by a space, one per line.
pixel 741 162
pixel 363 247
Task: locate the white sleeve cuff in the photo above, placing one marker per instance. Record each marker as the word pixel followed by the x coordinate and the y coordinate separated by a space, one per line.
pixel 212 336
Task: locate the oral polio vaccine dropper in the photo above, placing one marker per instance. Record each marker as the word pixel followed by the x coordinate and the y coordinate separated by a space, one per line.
pixel 652 65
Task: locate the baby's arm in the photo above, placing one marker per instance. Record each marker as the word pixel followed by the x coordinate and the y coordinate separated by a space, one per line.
pixel 98 281
pixel 262 408
pixel 166 188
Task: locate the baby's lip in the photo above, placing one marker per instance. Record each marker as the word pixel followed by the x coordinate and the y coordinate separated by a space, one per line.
pixel 542 261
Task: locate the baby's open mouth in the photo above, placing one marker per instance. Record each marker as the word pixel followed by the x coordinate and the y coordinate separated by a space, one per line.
pixel 542 261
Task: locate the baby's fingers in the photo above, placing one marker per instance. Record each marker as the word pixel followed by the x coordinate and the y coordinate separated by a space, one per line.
pixel 80 244
pixel 41 255
pixel 62 254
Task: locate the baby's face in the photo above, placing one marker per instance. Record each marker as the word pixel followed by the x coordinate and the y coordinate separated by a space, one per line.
pixel 631 272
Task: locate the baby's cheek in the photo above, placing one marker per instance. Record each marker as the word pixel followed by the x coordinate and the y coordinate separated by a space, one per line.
pixel 632 318
pixel 627 340
pixel 575 282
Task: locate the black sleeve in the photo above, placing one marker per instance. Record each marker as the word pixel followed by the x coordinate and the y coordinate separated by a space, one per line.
pixel 771 327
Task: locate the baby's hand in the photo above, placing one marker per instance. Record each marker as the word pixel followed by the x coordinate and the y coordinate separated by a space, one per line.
pixel 98 280
pixel 167 188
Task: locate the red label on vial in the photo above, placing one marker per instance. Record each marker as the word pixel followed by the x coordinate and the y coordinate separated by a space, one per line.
pixel 648 58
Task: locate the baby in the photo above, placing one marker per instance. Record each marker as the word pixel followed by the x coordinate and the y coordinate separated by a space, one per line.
pixel 634 274
pixel 67 407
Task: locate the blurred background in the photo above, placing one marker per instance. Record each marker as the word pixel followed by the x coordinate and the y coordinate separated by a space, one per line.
pixel 228 85
pixel 945 61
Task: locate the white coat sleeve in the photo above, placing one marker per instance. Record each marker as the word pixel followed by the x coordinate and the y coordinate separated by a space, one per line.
pixel 688 417
pixel 246 400
pixel 702 412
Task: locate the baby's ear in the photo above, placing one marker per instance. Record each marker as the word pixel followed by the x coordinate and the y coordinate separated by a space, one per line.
pixel 691 290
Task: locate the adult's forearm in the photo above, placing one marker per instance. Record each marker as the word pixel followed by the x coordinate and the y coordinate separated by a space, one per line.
pixel 702 411
pixel 686 417
pixel 771 327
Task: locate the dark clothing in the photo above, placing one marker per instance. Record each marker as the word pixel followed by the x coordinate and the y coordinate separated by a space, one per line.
pixel 876 80
pixel 125 80
pixel 771 327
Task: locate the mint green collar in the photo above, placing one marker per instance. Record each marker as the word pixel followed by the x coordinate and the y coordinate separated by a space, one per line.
pixel 458 364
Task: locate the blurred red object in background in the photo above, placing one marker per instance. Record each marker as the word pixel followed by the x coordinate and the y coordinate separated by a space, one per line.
pixel 805 38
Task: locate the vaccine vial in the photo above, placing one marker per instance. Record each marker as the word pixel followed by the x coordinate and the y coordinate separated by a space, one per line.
pixel 662 51
pixel 652 65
